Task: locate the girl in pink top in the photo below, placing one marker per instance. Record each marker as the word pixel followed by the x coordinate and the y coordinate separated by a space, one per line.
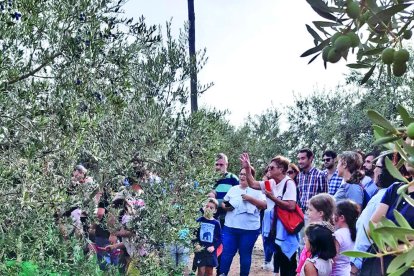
pixel 321 208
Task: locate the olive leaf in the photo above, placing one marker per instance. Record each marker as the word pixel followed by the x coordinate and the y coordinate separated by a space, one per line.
pixel 393 170
pixel 358 254
pixel 384 140
pixel 405 116
pixel 379 120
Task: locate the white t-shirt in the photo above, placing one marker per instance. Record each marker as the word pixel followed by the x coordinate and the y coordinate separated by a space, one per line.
pixel 342 263
pixel 277 190
pixel 245 215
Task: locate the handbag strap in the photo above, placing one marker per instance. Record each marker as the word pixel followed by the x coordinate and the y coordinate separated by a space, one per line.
pixel 285 187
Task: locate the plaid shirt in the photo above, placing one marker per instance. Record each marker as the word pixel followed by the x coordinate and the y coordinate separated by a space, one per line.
pixel 310 183
pixel 334 182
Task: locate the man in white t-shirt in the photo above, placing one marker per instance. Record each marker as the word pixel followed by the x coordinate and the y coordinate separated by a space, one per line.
pixel 276 172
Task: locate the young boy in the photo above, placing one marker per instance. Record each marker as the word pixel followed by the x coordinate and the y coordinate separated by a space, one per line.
pixel 208 239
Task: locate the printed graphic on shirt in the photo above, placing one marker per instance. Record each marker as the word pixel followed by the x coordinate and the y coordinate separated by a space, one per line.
pixel 206 232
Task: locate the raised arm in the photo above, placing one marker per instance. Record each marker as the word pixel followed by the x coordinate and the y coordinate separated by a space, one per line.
pixel 245 163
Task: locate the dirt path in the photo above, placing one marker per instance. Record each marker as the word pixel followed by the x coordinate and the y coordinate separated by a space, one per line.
pixel 257 262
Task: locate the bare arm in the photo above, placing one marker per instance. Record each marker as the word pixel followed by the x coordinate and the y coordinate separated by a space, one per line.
pixel 256 202
pixel 123 233
pixel 379 213
pixel 310 269
pixel 227 208
pixel 284 204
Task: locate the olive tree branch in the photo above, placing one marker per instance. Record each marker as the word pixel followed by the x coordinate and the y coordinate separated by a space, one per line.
pixel 34 71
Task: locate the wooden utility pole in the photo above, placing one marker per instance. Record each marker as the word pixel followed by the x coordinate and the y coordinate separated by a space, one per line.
pixel 193 60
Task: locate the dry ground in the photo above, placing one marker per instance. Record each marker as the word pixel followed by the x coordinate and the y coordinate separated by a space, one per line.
pixel 257 262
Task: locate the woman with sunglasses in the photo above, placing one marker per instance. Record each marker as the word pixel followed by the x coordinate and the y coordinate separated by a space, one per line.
pixel 293 171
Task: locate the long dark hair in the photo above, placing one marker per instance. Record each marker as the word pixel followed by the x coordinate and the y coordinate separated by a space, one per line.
pixel 321 241
pixel 350 211
pixel 385 179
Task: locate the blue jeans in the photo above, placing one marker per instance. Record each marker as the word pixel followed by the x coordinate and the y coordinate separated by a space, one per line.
pixel 268 248
pixel 234 240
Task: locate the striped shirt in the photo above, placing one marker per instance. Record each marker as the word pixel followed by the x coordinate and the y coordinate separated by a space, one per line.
pixel 311 183
pixel 334 182
pixel 221 188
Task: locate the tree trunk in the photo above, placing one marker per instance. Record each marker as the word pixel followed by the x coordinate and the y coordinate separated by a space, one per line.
pixel 191 45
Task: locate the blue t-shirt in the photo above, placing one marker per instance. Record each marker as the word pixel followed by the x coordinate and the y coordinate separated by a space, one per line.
pixel 350 191
pixel 209 232
pixel 391 197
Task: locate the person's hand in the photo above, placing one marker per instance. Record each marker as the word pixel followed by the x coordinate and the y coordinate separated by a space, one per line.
pixel 245 160
pixel 246 197
pixel 354 270
pixel 110 247
pixel 197 248
pixel 113 239
pixel 269 194
pixel 210 249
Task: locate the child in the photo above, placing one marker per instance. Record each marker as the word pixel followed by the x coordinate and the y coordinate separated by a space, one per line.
pixel 320 210
pixel 345 217
pixel 319 241
pixel 208 239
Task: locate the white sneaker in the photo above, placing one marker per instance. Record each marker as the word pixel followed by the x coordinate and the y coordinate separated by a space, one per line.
pixel 268 266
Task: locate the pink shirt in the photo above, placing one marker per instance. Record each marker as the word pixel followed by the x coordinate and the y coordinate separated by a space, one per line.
pixel 305 254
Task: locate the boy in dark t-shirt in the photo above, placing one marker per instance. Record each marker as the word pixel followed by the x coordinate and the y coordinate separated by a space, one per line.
pixel 208 239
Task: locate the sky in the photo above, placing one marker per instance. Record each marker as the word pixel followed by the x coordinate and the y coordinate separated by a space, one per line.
pixel 253 50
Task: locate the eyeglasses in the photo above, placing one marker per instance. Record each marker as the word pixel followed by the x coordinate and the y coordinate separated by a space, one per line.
pixel 241 174
pixel 290 172
pixel 270 168
pixel 327 159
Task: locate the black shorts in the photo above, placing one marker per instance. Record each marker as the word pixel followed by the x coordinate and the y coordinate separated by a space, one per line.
pixel 205 258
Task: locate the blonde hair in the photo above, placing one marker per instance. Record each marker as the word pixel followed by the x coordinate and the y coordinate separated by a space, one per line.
pixel 213 200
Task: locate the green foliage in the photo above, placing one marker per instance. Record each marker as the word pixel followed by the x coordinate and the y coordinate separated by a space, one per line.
pixel 337 119
pixel 387 24
pixel 81 84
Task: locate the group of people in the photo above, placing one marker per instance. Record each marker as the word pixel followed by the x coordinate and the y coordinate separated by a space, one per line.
pixel 338 203
pixel 106 231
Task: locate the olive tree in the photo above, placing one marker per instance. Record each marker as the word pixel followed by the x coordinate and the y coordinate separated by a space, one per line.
pixel 79 82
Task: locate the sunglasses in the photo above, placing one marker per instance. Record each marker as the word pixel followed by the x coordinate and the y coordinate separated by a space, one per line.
pixel 270 168
pixel 220 165
pixel 326 159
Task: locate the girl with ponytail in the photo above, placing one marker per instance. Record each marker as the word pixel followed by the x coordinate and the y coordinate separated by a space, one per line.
pixel 345 218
